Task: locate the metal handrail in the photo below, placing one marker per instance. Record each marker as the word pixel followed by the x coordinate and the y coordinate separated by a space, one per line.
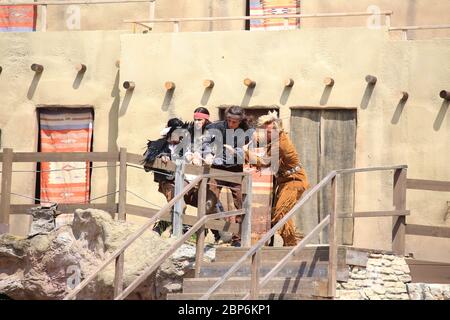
pixel 256 247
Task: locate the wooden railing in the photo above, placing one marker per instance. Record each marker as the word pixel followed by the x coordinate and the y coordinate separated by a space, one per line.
pixel 176 21
pixel 44 4
pixel 199 223
pixel 398 232
pixel 405 29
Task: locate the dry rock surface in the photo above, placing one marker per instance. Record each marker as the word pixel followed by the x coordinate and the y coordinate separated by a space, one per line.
pixel 47 265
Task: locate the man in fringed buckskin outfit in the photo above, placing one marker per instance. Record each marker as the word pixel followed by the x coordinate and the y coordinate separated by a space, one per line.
pixel 291 179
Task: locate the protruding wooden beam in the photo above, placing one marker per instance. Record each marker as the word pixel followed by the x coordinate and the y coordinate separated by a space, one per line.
pixel 208 83
pixel 249 83
pixel 1 69
pixel 129 85
pixel 289 82
pixel 169 85
pixel 81 68
pixel 403 96
pixel 329 82
pixel 444 94
pixel 371 79
pixel 37 67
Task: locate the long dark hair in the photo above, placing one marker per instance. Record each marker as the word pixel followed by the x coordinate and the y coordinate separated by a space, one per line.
pixel 204 111
pixel 238 111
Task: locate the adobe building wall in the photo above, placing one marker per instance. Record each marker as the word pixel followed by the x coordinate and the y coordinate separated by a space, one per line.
pixel 416 134
pixel 111 16
pixel 387 134
pixel 21 92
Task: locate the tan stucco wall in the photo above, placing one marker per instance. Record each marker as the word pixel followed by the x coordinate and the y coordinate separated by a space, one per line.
pixel 405 13
pixel 417 136
pixel 58 52
pixel 111 16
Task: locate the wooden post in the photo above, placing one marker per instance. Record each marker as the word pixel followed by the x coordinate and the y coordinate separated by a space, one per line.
pixel 249 83
pixel 332 254
pixel 399 222
pixel 5 204
pixel 118 274
pixel 201 211
pixel 177 225
pixel 169 85
pixel 44 18
pixel 403 96
pixel 176 26
pixel 81 68
pixel 289 82
pixel 208 83
pixel 372 80
pixel 38 68
pixel 254 284
pixel 405 34
pixel 129 85
pixel 119 265
pixel 246 227
pixel 1 69
pixel 151 14
pixel 329 82
pixel 122 183
pixel 444 94
pixel 388 21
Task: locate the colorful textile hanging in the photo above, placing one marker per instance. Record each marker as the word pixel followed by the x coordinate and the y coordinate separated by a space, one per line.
pixel 65 130
pixel 17 18
pixel 274 7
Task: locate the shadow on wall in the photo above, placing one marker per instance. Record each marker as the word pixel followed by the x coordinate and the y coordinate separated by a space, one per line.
pixel 113 130
pixel 77 81
pixel 125 102
pixel 205 96
pixel 167 99
pixel 398 111
pixel 34 83
pixel 247 96
pixel 441 115
pixel 367 96
pixel 285 94
pixel 325 95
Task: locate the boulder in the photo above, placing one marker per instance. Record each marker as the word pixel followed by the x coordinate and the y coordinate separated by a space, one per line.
pixel 48 265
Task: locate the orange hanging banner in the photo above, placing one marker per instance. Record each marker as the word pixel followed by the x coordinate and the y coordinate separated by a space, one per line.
pixel 69 130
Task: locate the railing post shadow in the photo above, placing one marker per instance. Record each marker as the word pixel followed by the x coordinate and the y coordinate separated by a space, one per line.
pixel 399 201
pixel 332 254
pixel 246 226
pixel 5 204
pixel 201 211
pixel 121 215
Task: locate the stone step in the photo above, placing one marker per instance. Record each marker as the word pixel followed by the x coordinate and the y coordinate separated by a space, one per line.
pixel 293 269
pixel 307 286
pixel 309 253
pixel 239 296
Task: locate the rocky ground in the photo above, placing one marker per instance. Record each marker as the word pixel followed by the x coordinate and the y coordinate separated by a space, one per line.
pixel 52 260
